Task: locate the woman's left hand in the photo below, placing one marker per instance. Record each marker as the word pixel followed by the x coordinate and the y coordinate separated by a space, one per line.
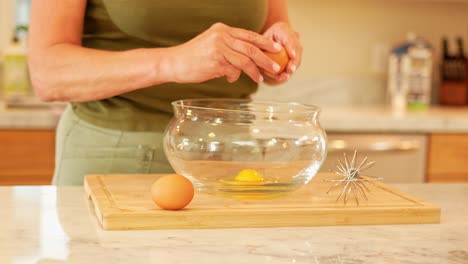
pixel 282 33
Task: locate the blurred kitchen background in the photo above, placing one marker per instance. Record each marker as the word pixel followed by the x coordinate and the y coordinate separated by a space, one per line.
pixel 346 45
pixel 345 71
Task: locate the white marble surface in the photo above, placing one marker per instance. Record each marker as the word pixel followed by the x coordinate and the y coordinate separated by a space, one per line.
pixel 383 119
pixel 49 225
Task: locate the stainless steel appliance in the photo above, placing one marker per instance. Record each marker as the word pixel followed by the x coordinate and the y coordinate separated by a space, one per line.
pixel 399 157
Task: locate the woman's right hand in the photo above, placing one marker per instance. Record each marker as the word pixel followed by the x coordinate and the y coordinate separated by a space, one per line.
pixel 223 51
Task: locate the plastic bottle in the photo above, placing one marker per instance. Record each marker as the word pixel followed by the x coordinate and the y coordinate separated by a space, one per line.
pixel 15 70
pixel 410 75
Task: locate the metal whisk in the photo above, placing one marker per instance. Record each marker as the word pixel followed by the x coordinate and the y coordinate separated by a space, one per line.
pixel 352 184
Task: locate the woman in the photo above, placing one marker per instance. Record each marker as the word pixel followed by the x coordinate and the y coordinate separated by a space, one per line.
pixel 121 63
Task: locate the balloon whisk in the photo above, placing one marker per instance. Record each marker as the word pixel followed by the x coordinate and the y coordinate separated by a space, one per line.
pixel 352 184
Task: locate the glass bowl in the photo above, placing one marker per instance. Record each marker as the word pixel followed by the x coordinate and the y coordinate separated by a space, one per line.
pixel 243 148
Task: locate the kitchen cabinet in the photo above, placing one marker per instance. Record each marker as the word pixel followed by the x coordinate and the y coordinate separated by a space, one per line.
pixel 26 156
pixel 448 158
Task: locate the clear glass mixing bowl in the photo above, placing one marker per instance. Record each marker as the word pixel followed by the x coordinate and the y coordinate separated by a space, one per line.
pixel 243 148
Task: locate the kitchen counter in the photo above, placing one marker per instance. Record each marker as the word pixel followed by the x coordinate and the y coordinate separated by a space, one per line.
pixel 43 117
pixel 350 119
pixel 55 225
pixel 382 120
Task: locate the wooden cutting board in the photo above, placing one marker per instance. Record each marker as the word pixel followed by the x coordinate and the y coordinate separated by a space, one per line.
pixel 123 202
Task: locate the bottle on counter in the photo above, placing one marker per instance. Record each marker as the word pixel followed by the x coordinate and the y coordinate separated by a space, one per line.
pixel 16 81
pixel 410 75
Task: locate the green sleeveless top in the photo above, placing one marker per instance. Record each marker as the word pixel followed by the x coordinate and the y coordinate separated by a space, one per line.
pixel 128 24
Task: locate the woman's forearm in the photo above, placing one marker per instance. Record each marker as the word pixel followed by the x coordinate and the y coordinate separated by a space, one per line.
pixel 63 70
pixel 277 12
pixel 71 73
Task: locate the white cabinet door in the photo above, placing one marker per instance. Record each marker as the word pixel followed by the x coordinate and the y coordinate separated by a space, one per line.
pixel 398 157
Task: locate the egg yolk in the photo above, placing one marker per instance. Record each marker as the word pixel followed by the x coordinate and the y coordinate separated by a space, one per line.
pixel 249 175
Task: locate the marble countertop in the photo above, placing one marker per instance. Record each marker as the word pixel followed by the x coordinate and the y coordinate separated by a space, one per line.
pixel 55 225
pixel 348 120
pixel 382 119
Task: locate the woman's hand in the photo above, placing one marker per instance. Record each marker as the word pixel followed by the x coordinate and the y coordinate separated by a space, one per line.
pixel 282 33
pixel 223 51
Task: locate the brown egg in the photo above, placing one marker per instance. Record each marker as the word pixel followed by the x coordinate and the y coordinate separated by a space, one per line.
pixel 172 192
pixel 281 58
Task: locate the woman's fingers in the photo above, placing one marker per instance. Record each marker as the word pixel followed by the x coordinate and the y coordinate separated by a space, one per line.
pixel 254 53
pixel 294 49
pixel 290 40
pixel 227 51
pixel 280 78
pixel 283 77
pixel 244 64
pixel 256 39
pixel 232 74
